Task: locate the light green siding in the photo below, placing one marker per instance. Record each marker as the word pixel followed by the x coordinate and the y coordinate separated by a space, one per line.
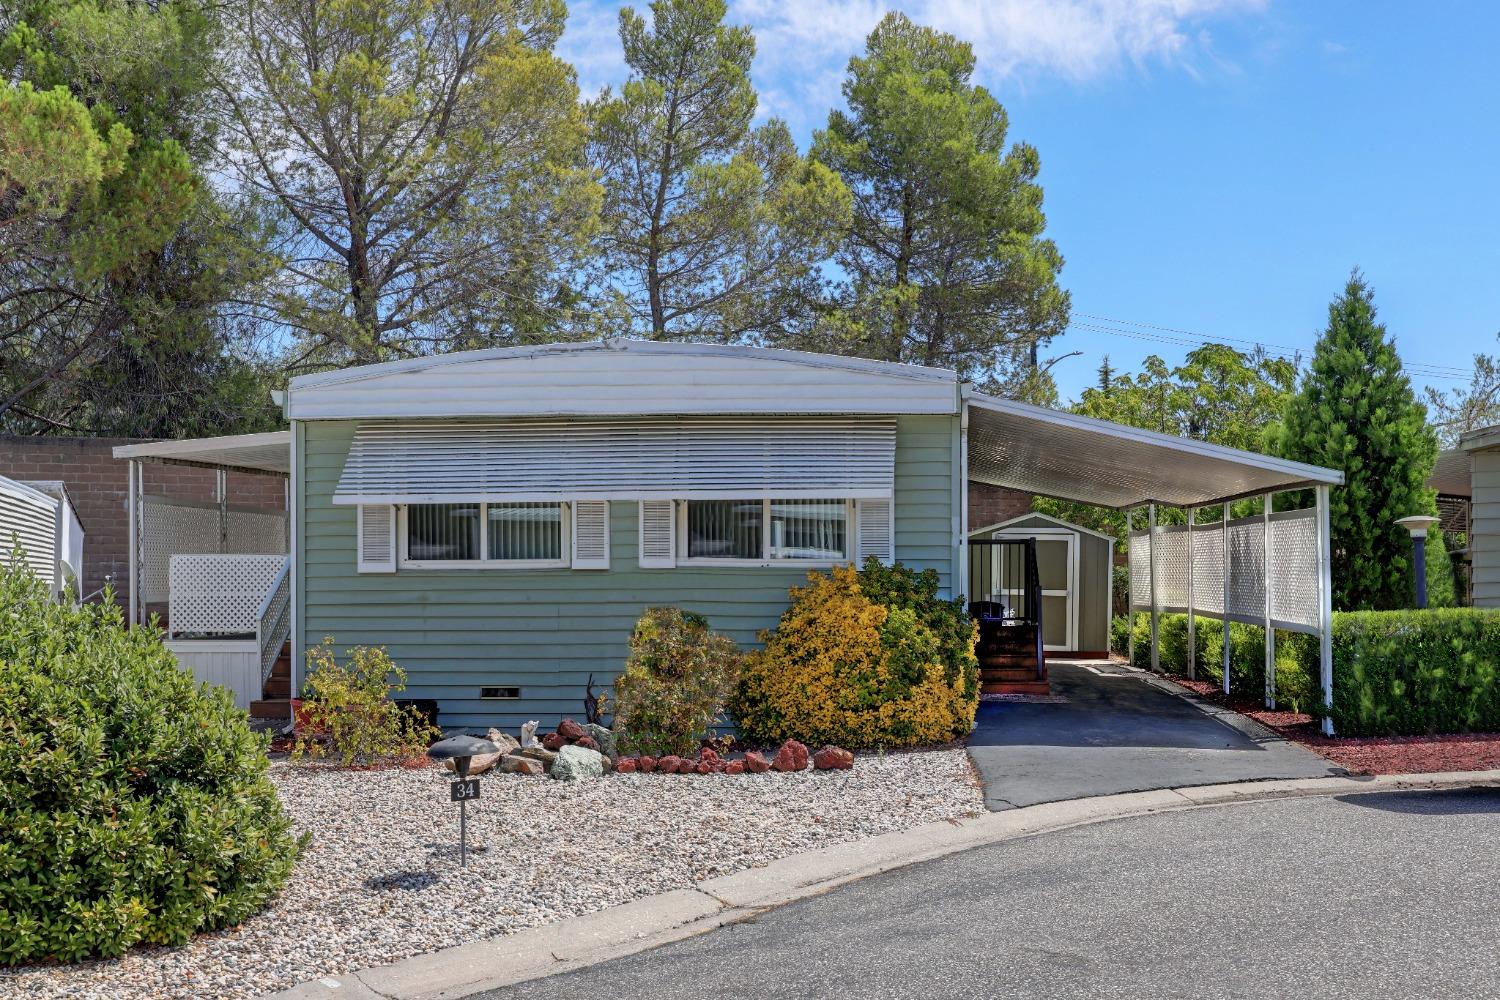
pixel 547 630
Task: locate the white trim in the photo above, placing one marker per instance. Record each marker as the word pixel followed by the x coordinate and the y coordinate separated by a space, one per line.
pixel 582 562
pixel 656 561
pixel 565 562
pixel 294 500
pixel 217 451
pixel 1057 521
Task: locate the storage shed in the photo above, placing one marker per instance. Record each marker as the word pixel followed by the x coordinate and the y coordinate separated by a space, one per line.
pixel 1073 563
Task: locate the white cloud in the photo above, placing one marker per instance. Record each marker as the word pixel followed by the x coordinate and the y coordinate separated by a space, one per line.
pixel 804 45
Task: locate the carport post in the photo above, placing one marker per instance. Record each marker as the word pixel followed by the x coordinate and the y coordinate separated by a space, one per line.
pixel 1265 523
pixel 1192 655
pixel 1226 600
pixel 1155 613
pixel 1129 592
pixel 1325 608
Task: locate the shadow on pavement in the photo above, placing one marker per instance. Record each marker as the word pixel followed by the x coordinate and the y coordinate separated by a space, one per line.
pixel 1478 800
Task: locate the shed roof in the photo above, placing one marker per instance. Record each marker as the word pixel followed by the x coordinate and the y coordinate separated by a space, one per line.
pixel 1058 454
pixel 270 452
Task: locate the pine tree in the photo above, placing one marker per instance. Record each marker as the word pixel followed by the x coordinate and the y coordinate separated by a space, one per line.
pixel 1356 412
pixel 1106 375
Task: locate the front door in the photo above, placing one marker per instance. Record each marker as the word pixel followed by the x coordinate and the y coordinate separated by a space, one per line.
pixel 1057 569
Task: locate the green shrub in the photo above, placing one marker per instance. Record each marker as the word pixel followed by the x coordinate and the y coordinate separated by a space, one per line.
pixel 1296 688
pixel 347 711
pixel 863 659
pixel 676 682
pixel 135 806
pixel 1415 672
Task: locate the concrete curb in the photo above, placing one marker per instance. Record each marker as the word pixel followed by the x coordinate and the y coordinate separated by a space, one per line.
pixel 657 920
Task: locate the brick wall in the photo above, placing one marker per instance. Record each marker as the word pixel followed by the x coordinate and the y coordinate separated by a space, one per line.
pixel 97 483
pixel 992 504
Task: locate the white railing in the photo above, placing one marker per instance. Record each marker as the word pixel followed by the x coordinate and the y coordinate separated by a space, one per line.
pixel 220 595
pixel 171 527
pixel 273 624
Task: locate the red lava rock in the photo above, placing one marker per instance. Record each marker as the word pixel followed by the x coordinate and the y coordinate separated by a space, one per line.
pixel 553 742
pixel 587 742
pixel 705 767
pixel 647 764
pixel 571 731
pixel 626 765
pixel 734 767
pixel 832 758
pixel 791 757
pixel 756 763
pixel 669 764
pixel 710 755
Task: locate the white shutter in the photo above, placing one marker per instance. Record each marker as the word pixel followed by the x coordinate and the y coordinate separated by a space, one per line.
pixel 875 527
pixel 591 534
pixel 658 534
pixel 377 538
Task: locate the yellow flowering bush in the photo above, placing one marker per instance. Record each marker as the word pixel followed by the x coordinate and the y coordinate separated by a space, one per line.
pixel 843 668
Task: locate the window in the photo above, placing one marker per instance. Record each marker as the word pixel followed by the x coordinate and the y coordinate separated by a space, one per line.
pixel 479 534
pixel 765 530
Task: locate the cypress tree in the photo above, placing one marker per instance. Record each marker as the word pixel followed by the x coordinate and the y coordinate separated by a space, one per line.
pixel 1355 411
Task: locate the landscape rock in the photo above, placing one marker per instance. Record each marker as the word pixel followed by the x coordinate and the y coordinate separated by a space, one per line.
pixel 832 758
pixel 587 742
pixel 626 765
pixel 669 764
pixel 575 763
pixel 528 733
pixel 710 755
pixel 756 762
pixel 571 731
pixel 553 742
pixel 547 757
pixel 478 764
pixel 705 767
pixel 506 742
pixel 791 757
pixel 734 767
pixel 609 763
pixel 604 736
pixel 516 764
pixel 647 763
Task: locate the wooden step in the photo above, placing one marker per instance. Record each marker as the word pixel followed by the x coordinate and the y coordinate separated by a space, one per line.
pixel 1020 672
pixel 1016 687
pixel 271 708
pixel 277 687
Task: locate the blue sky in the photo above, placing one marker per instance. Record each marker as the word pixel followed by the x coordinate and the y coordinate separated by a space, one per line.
pixel 1212 168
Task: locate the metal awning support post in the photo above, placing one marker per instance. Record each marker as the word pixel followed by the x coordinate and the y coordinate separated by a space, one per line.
pixel 1192 627
pixel 1265 522
pixel 1155 607
pixel 221 491
pixel 132 532
pixel 1228 569
pixel 1325 608
pixel 1129 591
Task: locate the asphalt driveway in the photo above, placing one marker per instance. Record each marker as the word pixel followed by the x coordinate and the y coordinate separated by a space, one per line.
pixel 1361 897
pixel 1114 730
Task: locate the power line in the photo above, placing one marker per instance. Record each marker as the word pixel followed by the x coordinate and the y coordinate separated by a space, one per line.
pixel 1191 338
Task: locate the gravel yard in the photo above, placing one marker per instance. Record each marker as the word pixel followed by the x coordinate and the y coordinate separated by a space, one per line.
pixel 381 880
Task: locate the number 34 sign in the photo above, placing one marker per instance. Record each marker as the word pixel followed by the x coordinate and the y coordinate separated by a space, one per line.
pixel 463 791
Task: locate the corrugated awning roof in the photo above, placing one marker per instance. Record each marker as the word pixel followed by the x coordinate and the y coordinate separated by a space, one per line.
pixel 1451 475
pixel 270 452
pixel 1071 457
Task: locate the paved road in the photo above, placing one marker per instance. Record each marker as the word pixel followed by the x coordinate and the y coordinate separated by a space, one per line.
pixel 1117 731
pixel 1387 895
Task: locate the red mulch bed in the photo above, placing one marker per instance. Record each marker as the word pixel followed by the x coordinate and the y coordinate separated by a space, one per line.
pixel 1370 754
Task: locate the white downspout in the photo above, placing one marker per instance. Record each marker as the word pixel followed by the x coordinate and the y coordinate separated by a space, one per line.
pixel 962 563
pixel 1155 606
pixel 1192 622
pixel 1325 608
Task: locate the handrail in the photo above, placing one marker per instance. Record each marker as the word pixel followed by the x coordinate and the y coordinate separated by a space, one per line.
pixel 1020 602
pixel 272 621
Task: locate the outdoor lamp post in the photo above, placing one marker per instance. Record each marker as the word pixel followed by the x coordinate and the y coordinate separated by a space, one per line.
pixel 460 749
pixel 1418 524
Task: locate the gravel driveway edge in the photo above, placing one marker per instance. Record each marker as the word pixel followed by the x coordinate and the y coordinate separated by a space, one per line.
pixel 656 920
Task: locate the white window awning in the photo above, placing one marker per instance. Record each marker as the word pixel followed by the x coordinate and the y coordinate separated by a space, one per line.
pixel 1063 455
pixel 688 458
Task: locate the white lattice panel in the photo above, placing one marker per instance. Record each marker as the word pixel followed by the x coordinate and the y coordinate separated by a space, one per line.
pixel 1140 570
pixel 1247 569
pixel 220 594
pixel 168 529
pixel 255 531
pixel 1208 568
pixel 1171 567
pixel 1294 568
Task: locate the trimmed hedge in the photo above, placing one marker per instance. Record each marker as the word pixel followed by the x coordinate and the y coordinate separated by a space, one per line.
pixel 135 806
pixel 1416 672
pixel 1395 673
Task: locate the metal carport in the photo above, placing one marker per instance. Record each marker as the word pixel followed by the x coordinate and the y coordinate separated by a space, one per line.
pixel 1271 570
